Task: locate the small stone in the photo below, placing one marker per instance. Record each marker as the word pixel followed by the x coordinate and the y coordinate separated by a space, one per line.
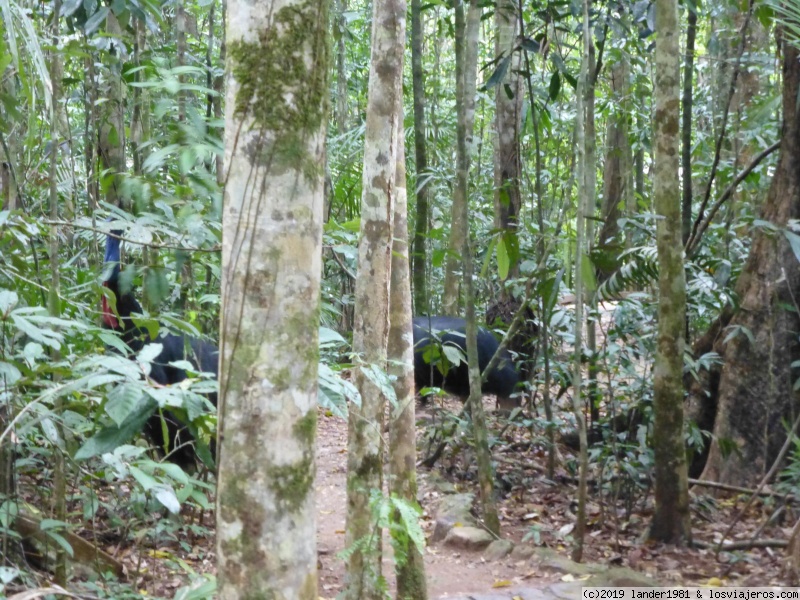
pixel 498 550
pixel 522 552
pixel 469 538
pixel 454 510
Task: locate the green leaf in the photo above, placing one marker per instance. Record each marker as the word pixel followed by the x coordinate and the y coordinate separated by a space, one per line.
pixel 198 590
pixel 409 514
pixel 95 20
pixel 503 263
pixel 166 496
pixel 794 242
pixel 329 337
pixel 68 8
pixel 147 482
pixel 51 431
pixel 149 353
pixel 9 374
pixel 156 286
pixel 555 86
pixel 151 325
pixel 174 472
pixel 8 574
pixel 122 401
pixel 454 354
pixel 109 438
pixel 499 73
pixel 59 539
pixel 45 336
pixel 379 377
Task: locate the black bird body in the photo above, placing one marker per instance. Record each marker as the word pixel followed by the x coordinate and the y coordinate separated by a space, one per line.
pixel 203 356
pixel 451 331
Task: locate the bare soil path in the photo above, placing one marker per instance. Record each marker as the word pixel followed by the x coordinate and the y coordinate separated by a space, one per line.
pixel 450 573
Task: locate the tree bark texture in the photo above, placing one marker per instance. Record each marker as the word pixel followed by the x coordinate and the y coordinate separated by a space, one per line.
pixel 409 562
pixel 686 128
pixel 508 112
pixel 671 521
pixel 111 144
pixel 754 394
pixel 371 323
pixel 276 113
pixel 421 224
pixel 466 75
pixel 616 173
pixel 580 247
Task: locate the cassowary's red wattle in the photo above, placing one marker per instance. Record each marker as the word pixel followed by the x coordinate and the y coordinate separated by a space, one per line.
pixel 109 318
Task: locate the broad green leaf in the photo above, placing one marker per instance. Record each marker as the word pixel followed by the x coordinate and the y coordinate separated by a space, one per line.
pixel 166 496
pixel 149 353
pixel 95 20
pixel 379 377
pixel 555 86
pixel 59 539
pixel 8 300
pixel 122 401
pixel 8 574
pixel 198 590
pixel 454 354
pixel 156 287
pixel 174 472
pixel 9 374
pixel 503 263
pixel 68 8
pixel 109 438
pixel 330 337
pixel 794 242
pixel 51 431
pixel 146 481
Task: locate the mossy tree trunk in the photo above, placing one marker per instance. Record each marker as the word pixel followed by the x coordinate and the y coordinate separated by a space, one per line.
pixel 111 142
pixel 409 563
pixel 420 248
pixel 54 299
pixel 371 324
pixel 275 119
pixel 753 393
pixel 466 47
pixel 508 110
pixel 584 180
pixel 671 521
pixel 617 171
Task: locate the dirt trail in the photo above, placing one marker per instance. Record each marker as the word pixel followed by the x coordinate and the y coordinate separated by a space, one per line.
pixel 450 573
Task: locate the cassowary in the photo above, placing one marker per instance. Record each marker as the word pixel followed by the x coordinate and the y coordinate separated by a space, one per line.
pixel 202 355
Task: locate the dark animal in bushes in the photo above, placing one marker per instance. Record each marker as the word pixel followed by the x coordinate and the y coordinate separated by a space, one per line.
pixel 432 335
pixel 180 444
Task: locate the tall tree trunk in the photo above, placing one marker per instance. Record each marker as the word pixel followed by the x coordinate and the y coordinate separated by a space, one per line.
pixel 420 248
pixel 382 138
pixel 466 74
pixel 671 521
pixel 219 87
pixel 754 393
pixel 341 68
pixel 686 128
pixel 275 119
pixel 111 144
pixel 616 172
pixel 508 109
pixel 580 251
pixel 54 299
pixel 409 562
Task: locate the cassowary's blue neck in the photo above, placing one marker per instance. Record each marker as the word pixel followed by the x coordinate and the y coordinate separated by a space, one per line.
pixel 126 304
